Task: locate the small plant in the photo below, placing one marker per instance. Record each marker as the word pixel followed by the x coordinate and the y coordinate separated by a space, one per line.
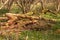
pixel 2 11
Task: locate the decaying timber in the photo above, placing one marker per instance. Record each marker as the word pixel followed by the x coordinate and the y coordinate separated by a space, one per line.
pixel 25 22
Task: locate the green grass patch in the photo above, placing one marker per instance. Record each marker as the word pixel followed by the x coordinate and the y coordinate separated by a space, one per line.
pixel 2 11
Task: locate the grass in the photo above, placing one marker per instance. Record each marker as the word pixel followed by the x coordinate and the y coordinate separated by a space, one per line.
pixel 40 35
pixel 2 11
pixel 33 35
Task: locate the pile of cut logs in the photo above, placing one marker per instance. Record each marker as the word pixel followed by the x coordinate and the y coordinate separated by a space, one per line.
pixel 20 22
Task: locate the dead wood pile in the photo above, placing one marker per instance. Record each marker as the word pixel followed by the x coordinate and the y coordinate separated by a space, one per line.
pixel 19 22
